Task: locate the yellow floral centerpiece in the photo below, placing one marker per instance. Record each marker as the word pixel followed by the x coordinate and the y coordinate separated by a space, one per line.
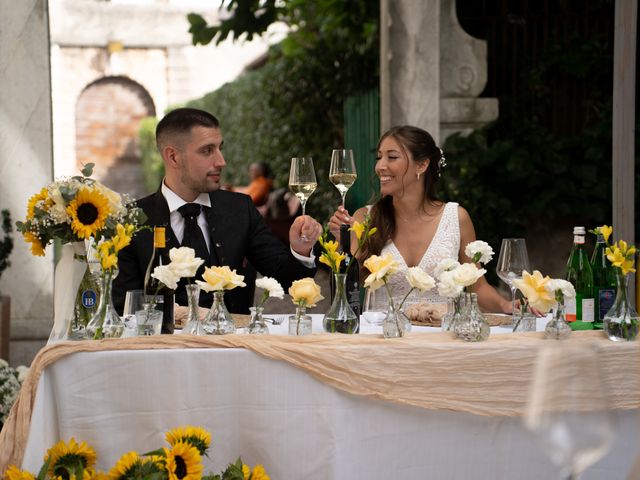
pixel 75 211
pixel 305 293
pixel 395 324
pixel 181 460
pixel 621 321
pixel 340 317
pixel 218 321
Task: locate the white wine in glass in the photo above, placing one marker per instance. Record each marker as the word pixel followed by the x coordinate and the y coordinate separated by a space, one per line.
pixel 567 408
pixel 342 172
pixel 512 261
pixel 302 179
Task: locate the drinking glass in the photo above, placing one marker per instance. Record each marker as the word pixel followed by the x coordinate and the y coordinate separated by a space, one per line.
pixel 567 408
pixel 513 259
pixel 302 179
pixel 134 300
pixel 342 172
pixel 376 305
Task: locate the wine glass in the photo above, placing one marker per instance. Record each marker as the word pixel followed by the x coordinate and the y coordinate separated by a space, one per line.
pixel 342 172
pixel 513 259
pixel 302 179
pixel 134 300
pixel 567 408
pixel 376 305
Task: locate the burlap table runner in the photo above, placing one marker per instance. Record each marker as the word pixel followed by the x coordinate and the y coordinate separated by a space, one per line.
pixel 431 370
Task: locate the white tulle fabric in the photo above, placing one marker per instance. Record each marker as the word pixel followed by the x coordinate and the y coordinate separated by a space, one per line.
pixel 445 244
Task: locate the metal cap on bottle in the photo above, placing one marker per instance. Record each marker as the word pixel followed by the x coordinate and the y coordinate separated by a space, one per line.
pixel 579 231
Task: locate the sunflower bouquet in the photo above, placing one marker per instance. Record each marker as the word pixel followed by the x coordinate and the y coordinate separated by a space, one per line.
pixel 75 209
pixel 181 459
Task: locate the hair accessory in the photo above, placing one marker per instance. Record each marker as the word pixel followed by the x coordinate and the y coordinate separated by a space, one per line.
pixel 441 163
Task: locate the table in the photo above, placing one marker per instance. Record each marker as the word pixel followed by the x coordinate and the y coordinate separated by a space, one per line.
pixel 275 413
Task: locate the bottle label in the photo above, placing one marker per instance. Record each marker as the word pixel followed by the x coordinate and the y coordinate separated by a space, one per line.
pixel 579 239
pixel 606 297
pixel 570 309
pixel 89 298
pixel 588 306
pixel 353 296
pixel 159 240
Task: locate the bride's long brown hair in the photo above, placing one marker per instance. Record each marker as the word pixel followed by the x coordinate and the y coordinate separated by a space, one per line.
pixel 418 145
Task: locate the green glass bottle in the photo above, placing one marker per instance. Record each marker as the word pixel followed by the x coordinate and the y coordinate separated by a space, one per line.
pixel 604 283
pixel 580 310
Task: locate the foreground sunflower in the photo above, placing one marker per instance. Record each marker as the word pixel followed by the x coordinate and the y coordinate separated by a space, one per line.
pixel 131 465
pixel 62 456
pixel 88 212
pixel 14 473
pixel 183 461
pixel 36 245
pixel 195 436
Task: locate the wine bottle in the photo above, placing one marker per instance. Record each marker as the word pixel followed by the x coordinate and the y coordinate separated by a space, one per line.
pixel 351 267
pixel 580 310
pixel 604 283
pixel 151 284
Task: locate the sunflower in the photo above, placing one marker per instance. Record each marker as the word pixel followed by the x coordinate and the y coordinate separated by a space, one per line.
pixel 34 200
pixel 63 455
pixel 36 244
pixel 183 461
pixel 259 473
pixel 195 436
pixel 124 465
pixel 14 473
pixel 88 212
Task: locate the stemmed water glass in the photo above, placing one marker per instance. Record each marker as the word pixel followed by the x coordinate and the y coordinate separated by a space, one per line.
pixel 512 261
pixel 567 407
pixel 342 172
pixel 302 179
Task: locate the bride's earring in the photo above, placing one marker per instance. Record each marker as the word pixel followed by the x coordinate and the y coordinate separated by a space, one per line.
pixel 418 176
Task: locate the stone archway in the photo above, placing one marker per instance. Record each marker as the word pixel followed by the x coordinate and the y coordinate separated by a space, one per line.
pixel 108 115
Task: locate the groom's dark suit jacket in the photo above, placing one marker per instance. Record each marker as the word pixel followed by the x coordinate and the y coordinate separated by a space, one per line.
pixel 237 233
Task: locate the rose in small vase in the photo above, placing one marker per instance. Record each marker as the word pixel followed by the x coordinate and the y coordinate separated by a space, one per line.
pixel 305 293
pixel 621 321
pixel 272 288
pixel 218 321
pixel 395 324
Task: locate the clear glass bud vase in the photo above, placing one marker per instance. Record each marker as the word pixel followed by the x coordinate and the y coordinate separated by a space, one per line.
pixel 257 325
pixel 218 320
pixel 395 323
pixel 193 323
pixel 341 318
pixel 300 323
pixel 105 322
pixel 454 313
pixel 557 328
pixel 621 321
pixel 472 326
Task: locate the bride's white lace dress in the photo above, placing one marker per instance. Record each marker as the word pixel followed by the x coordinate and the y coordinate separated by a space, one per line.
pixel 445 244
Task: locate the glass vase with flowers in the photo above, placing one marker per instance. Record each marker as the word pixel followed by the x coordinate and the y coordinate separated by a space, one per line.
pixel 621 321
pixel 272 288
pixel 218 320
pixel 305 293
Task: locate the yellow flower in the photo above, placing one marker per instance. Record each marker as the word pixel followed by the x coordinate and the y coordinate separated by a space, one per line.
pixel 533 286
pixel 605 231
pixel 70 454
pixel 622 256
pixel 259 473
pixel 14 473
pixel 123 236
pixel 88 212
pixel 36 244
pixel 380 267
pixel 124 465
pixel 358 229
pixel 33 201
pixel 220 278
pixel 183 461
pixel 305 292
pixel 331 257
pixel 196 436
pixel 107 255
pixel 246 471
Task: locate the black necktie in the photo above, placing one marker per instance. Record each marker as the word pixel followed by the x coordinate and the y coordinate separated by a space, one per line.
pixel 193 236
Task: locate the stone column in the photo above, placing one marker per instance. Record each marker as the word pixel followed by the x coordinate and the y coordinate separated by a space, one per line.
pixel 25 156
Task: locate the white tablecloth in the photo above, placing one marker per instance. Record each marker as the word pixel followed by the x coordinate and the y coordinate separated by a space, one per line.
pixel 273 413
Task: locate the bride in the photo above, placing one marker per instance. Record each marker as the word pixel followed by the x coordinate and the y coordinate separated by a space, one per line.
pixel 413 225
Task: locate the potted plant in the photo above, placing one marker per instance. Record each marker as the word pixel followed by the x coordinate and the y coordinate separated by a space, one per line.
pixel 6 246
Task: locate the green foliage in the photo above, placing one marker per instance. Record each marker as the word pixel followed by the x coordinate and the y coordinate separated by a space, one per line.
pixel 6 244
pixel 152 164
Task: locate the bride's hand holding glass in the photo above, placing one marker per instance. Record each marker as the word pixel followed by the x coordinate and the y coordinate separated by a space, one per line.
pixel 340 217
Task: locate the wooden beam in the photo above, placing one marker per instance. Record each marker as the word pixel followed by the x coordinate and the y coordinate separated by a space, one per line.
pixel 623 131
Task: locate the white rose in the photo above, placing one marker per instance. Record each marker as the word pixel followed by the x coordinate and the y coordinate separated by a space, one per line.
pixel 3 363
pixel 480 248
pixel 467 274
pixel 564 286
pixel 420 279
pixel 447 286
pixel 445 265
pixel 59 213
pixel 271 285
pixel 115 200
pixel 184 262
pixel 164 274
pixel 22 373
